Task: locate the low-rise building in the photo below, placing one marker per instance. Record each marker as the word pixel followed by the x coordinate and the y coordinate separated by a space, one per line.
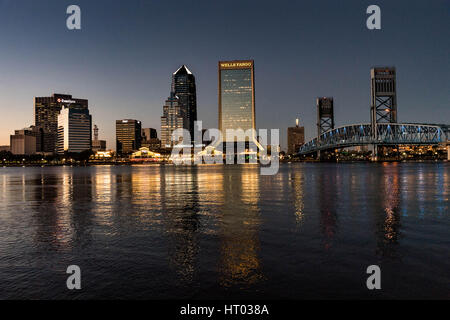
pixel 27 141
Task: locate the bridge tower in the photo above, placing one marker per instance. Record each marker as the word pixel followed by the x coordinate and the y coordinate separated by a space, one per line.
pixel 383 104
pixel 325 115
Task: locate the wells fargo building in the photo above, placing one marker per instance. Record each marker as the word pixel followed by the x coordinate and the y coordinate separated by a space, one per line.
pixel 236 95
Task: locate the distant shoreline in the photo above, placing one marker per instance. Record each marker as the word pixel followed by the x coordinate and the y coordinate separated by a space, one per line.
pixel 218 164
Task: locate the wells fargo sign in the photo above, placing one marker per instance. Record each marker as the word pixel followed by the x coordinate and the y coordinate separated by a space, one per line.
pixel 236 64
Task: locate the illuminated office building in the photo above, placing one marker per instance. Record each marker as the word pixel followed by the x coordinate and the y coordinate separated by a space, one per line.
pixel 46 111
pixel 128 136
pixel 183 86
pixel 74 130
pixel 236 95
pixel 171 120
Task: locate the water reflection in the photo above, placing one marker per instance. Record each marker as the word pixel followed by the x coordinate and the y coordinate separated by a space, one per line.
pixel 328 189
pixel 173 230
pixel 388 216
pixel 239 263
pixel 180 207
pixel 296 180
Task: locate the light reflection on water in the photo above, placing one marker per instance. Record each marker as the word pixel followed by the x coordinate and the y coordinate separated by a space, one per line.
pixel 225 231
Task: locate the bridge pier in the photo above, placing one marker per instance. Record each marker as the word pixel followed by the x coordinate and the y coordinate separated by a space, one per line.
pixel 374 149
pixel 448 152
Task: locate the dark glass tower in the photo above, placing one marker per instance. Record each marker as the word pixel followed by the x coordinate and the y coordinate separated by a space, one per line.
pixel 183 86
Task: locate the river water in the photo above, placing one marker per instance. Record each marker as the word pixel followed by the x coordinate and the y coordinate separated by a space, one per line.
pixel 226 232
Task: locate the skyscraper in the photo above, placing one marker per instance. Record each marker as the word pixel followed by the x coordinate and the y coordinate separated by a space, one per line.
pixel 171 120
pixel 128 135
pixel 236 95
pixel 183 86
pixel 74 130
pixel 46 111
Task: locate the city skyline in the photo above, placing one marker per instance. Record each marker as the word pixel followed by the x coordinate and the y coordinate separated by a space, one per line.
pixel 132 83
pixel 218 159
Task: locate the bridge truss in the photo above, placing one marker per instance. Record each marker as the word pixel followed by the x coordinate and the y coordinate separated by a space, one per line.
pixel 386 134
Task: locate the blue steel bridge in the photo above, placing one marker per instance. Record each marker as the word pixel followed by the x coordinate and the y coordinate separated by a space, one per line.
pixel 387 134
pixel 383 129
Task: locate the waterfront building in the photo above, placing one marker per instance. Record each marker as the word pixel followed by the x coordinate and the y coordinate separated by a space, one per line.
pixel 23 142
pixel 150 139
pixel 296 137
pixel 74 130
pixel 145 154
pixel 183 86
pixel 128 136
pixel 171 120
pixel 236 95
pixel 237 106
pixel 152 144
pixel 46 111
pixel 5 148
pixel 27 141
pixel 102 155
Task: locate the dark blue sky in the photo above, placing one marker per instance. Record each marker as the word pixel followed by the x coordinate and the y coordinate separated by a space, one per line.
pixel 123 57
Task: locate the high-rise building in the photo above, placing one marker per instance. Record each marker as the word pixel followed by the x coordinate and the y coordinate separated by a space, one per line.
pixel 46 111
pixel 296 137
pixel 149 133
pixel 74 130
pixel 236 95
pixel 171 120
pixel 183 86
pixel 98 145
pixel 128 136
